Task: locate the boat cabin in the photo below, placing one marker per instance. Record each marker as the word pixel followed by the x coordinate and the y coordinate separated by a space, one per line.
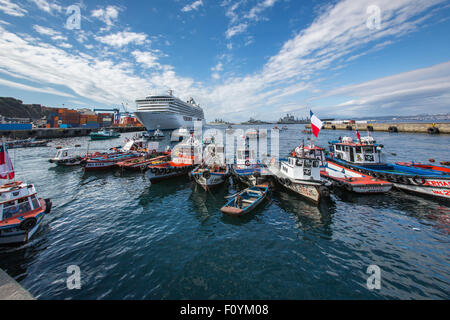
pixel 17 198
pixel 365 151
pixel 245 157
pixel 214 154
pixel 188 152
pixel 62 154
pixel 301 168
pixel 311 152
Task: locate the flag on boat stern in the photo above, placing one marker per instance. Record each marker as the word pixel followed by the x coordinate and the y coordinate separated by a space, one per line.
pixel 358 135
pixel 316 124
pixel 6 166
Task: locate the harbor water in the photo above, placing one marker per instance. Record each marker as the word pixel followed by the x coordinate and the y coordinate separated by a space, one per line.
pixel 170 240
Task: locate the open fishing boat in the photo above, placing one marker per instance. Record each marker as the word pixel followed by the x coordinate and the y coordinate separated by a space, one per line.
pixel 64 158
pixel 107 161
pixel 352 180
pixel 142 163
pixel 185 157
pixel 27 143
pixel 213 171
pixel 301 173
pixel 21 211
pixel 364 156
pixel 104 135
pixel 246 201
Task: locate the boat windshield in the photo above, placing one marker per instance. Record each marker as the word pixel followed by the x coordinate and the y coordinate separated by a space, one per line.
pixel 13 208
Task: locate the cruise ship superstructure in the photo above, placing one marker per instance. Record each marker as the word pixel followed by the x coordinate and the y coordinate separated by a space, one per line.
pixel 167 112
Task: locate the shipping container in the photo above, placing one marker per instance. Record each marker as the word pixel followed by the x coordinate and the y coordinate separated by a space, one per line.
pixel 15 126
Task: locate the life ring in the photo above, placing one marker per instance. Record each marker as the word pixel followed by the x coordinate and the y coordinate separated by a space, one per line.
pixel 153 151
pixel 28 224
pixel 247 163
pixel 433 130
pixel 419 181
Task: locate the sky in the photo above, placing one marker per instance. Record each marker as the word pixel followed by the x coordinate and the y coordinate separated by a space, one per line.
pixel 237 58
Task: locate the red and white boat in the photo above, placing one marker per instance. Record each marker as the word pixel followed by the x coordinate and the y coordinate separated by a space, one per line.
pixel 102 162
pixel 142 163
pixel 352 180
pixel 185 157
pixel 21 211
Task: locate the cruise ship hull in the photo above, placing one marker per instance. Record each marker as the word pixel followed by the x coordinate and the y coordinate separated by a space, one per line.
pixel 164 120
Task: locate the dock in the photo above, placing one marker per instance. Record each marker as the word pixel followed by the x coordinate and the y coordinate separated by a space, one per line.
pixel 11 290
pixel 429 128
pixel 55 133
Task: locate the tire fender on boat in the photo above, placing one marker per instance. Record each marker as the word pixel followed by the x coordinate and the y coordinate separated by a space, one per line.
pixel 419 180
pixel 28 224
pixel 206 175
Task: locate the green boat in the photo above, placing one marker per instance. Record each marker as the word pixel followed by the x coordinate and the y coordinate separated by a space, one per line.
pixel 104 135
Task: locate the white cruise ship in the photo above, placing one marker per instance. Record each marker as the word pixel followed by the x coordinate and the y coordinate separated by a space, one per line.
pixel 167 112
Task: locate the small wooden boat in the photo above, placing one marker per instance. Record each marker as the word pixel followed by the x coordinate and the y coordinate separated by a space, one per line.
pixel 307 131
pixel 353 181
pixel 423 166
pixel 27 143
pixel 104 135
pixel 246 201
pixel 64 158
pixel 107 161
pixel 142 163
pixel 445 163
pixel 210 177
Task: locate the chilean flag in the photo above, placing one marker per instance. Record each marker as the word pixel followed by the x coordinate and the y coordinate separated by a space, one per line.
pixel 6 166
pixel 358 135
pixel 316 124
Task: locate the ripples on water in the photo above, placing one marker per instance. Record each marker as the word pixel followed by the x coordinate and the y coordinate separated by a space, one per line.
pixel 170 240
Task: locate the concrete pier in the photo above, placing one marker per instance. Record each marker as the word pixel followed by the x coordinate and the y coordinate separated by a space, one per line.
pixel 430 128
pixel 11 290
pixel 54 133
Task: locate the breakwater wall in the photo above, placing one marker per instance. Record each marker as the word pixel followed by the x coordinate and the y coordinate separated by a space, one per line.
pixel 11 290
pixel 55 133
pixel 429 128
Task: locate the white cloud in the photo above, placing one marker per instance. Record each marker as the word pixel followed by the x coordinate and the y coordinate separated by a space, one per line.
pixel 48 6
pixel 398 94
pixel 232 31
pixel 55 35
pixel 21 86
pixel 193 6
pixel 244 22
pixel 147 59
pixel 12 9
pixel 123 38
pixel 108 15
pixel 259 8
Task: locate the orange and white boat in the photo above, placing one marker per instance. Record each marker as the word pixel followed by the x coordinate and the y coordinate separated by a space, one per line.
pixel 185 157
pixel 21 211
pixel 352 180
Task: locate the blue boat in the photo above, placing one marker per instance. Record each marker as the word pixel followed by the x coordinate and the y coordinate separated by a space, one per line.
pixel 246 201
pixel 245 171
pixel 364 156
